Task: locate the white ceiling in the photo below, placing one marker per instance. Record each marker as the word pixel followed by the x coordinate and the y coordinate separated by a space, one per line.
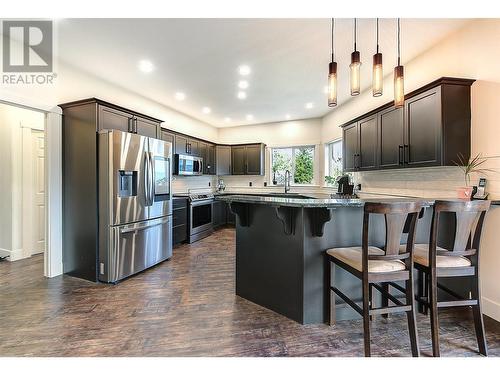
pixel 200 57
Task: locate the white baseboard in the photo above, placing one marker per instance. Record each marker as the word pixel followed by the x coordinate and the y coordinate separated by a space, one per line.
pixel 13 255
pixel 491 308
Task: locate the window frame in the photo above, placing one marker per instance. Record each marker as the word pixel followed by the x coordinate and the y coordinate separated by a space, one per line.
pixel 294 148
pixel 329 156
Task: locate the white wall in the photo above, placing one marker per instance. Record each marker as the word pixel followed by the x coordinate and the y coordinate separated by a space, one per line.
pixel 472 52
pixel 12 121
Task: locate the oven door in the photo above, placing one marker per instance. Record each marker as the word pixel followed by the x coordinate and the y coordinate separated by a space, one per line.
pixel 186 165
pixel 201 216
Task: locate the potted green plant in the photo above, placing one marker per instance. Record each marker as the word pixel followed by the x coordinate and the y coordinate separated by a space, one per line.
pixel 473 165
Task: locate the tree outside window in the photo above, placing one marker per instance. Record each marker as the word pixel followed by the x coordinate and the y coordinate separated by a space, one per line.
pixel 298 160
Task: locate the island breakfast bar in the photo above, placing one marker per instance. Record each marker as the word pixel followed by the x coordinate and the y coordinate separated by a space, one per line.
pixel 281 243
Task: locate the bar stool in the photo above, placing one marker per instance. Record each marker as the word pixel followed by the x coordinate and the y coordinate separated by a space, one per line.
pixel 434 262
pixel 373 265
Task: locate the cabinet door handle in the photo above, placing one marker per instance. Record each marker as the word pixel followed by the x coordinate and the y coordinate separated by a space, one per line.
pixel 400 157
pixel 130 125
pixel 407 154
pixel 135 126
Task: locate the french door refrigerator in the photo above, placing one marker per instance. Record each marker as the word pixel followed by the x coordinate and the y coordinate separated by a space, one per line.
pixel 135 203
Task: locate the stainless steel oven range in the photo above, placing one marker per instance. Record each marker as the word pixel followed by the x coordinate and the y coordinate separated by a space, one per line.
pixel 200 216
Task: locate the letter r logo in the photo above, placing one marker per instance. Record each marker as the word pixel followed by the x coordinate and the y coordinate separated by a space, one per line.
pixel 27 46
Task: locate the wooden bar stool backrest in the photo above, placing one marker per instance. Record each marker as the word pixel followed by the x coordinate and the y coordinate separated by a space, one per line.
pixel 469 217
pixel 396 215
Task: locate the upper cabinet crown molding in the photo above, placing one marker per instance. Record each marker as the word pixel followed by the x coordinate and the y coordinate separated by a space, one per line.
pixel 109 105
pixel 432 128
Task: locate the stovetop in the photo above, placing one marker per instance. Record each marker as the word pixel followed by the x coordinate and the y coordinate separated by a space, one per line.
pixel 200 196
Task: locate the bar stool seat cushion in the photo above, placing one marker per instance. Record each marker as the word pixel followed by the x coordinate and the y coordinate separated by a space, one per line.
pixel 352 256
pixel 421 256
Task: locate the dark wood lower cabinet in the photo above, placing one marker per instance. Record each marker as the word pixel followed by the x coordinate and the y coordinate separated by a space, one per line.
pixel 180 220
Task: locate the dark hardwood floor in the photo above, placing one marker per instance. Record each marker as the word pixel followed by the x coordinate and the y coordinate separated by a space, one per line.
pixel 187 307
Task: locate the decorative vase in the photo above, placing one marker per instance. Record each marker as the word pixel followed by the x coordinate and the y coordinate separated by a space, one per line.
pixel 465 192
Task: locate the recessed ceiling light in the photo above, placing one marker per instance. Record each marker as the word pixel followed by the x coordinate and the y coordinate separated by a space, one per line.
pixel 227 119
pixel 244 70
pixel 206 110
pixel 180 96
pixel 249 117
pixel 309 105
pixel 242 95
pixel 146 66
pixel 243 84
pixel 287 116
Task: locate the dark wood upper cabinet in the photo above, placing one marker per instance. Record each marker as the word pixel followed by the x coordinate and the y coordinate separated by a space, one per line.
pixel 146 127
pixel 167 136
pixel 223 160
pixel 181 145
pixel 430 130
pixel 367 146
pixel 238 160
pixel 207 152
pixel 391 137
pixel 194 147
pixel 350 147
pixel 248 159
pixel 423 129
pixel 211 161
pixel 255 159
pixel 113 119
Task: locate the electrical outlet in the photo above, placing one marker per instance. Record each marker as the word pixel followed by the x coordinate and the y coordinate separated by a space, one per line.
pixel 250 183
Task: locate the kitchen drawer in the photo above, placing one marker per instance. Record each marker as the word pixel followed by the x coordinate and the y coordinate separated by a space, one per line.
pixel 179 234
pixel 180 216
pixel 179 203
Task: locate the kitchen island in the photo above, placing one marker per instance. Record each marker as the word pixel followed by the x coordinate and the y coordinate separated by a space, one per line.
pixel 280 250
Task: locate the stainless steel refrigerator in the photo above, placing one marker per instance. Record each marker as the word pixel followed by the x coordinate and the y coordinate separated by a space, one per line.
pixel 135 203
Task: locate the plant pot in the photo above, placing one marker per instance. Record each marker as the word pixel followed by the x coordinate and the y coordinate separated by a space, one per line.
pixel 465 192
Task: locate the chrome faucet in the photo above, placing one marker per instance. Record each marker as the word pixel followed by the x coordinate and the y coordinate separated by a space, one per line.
pixel 287 181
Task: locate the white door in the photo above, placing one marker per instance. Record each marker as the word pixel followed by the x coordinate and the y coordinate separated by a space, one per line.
pixel 38 192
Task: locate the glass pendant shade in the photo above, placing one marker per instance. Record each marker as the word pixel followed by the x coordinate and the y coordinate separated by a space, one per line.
pixel 378 76
pixel 332 84
pixel 399 92
pixel 355 68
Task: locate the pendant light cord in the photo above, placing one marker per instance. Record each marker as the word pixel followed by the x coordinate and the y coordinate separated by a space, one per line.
pixel 399 43
pixel 377 35
pixel 333 33
pixel 355 33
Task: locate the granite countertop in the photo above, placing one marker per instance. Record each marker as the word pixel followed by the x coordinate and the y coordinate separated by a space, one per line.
pixel 310 200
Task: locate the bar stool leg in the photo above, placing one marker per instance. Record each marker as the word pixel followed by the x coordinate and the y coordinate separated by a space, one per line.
pixel 478 316
pixel 434 314
pixel 420 290
pixel 366 316
pixel 412 320
pixel 331 293
pixel 385 300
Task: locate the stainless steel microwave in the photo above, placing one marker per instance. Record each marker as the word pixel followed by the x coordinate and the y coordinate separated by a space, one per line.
pixel 187 165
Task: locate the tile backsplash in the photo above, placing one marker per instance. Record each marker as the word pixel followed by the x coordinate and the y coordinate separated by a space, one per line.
pixel 436 182
pixel 183 184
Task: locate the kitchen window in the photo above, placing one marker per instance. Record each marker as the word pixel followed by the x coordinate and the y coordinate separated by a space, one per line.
pixel 333 152
pixel 299 161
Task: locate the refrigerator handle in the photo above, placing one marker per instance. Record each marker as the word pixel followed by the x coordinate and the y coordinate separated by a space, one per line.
pixel 151 179
pixel 146 177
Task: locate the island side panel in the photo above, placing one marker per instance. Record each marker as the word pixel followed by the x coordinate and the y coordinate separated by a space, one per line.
pixel 269 262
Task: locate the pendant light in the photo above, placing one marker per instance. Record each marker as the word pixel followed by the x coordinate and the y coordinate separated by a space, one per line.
pixel 399 93
pixel 378 76
pixel 332 74
pixel 355 66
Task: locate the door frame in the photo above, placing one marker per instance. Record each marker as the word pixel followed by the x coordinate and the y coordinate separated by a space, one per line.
pixel 53 265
